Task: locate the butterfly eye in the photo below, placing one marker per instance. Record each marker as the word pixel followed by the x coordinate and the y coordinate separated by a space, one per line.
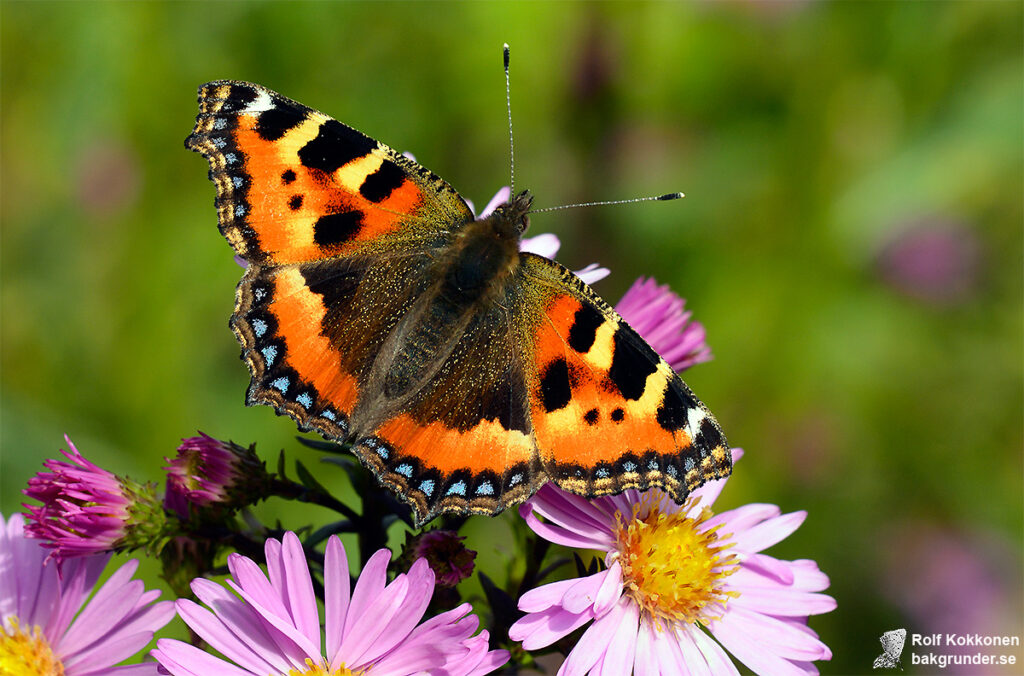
pixel 523 224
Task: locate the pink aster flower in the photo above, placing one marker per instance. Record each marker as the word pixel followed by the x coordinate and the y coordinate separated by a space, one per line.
pixel 273 626
pixel 87 509
pixel 208 472
pixel 48 624
pixel 657 314
pixel 682 586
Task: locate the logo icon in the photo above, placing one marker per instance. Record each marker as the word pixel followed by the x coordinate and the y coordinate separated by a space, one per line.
pixel 892 642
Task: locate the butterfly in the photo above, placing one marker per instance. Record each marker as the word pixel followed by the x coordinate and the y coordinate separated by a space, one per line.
pixel 892 642
pixel 378 311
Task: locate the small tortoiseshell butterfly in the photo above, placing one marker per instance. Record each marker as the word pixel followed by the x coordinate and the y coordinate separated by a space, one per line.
pixel 377 310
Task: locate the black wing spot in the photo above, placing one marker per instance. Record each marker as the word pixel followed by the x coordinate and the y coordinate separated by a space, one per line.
pixel 288 177
pixel 554 386
pixel 337 228
pixel 630 367
pixel 274 123
pixel 618 415
pixel 295 203
pixel 710 436
pixel 674 410
pixel 379 185
pixel 584 328
pixel 335 146
pixel 592 416
pixel 238 99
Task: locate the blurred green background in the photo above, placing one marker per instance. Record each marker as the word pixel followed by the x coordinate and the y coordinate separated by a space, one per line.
pixel 851 239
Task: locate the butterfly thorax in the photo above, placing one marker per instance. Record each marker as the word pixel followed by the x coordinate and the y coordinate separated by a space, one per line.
pixel 484 253
pixel 472 273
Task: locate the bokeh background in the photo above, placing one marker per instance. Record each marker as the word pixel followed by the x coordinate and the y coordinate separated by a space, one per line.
pixel 851 239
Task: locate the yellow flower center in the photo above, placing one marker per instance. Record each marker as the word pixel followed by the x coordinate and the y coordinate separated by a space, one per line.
pixel 27 653
pixel 672 567
pixel 322 670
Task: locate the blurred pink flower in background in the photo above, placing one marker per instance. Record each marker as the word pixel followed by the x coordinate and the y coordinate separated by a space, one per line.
pixel 948 581
pixel 936 260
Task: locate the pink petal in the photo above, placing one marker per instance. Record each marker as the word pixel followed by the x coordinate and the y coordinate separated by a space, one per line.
pixel 297 589
pixel 277 618
pixel 241 648
pixel 686 651
pixel 592 274
pixel 769 532
pixel 784 602
pixel 755 655
pixel 767 569
pixel 645 662
pixel 738 520
pixel 610 591
pixel 562 536
pixel 572 512
pixel 545 245
pixel 718 661
pixel 503 195
pixel 336 592
pixel 538 630
pixel 114 600
pixel 618 658
pixel 545 596
pixel 244 626
pixel 373 622
pixel 593 643
pixel 368 587
pixel 182 659
pixel 581 595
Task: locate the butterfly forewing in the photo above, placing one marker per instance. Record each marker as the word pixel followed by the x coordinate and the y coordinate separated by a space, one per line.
pixel 295 185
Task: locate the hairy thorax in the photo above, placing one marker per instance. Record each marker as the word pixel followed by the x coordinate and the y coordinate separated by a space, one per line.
pixel 469 279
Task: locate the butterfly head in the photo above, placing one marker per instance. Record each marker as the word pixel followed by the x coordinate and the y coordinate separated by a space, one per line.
pixel 510 218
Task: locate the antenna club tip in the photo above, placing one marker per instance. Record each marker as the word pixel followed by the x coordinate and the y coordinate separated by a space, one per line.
pixel 506 55
pixel 672 196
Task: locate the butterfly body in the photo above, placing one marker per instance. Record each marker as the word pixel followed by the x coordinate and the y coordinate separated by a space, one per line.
pixel 378 311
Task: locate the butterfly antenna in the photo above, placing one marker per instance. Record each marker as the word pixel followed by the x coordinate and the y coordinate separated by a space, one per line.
pixel 511 144
pixel 669 196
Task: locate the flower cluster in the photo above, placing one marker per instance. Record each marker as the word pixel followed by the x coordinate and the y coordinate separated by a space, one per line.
pixel 674 589
pixel 672 572
pixel 50 625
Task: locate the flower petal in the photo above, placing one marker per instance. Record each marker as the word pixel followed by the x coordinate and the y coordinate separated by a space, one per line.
pixel 618 658
pixel 594 642
pixel 242 648
pixel 545 244
pixel 337 588
pixel 768 532
pixel 182 659
pixel 538 630
pixel 582 594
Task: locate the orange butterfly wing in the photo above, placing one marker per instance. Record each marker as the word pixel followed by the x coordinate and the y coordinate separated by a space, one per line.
pixel 607 412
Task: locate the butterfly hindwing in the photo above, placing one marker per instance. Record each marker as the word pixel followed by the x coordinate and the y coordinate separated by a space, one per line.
pixel 311 331
pixel 295 185
pixel 459 438
pixel 607 412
